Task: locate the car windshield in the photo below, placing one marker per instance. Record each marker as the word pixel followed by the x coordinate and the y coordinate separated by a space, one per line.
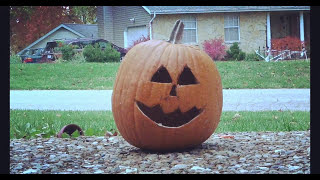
pixel 39 51
pixel 34 52
pixel 50 46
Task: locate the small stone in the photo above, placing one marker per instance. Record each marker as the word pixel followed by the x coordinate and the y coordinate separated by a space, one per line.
pixel 292 168
pixel 113 139
pixel 98 171
pixel 289 153
pixel 237 166
pixel 200 169
pixel 79 147
pixel 179 166
pixel 296 157
pixel 264 168
pixel 131 170
pixel 116 169
pixel 19 167
pixel 95 143
pixel 277 167
pixel 68 159
pixel 88 166
pixel 39 147
pixel 30 171
pixel 281 133
pixel 267 164
pixel 242 171
pixel 280 151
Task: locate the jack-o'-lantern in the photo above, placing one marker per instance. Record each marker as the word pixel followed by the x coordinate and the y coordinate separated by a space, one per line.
pixel 167 96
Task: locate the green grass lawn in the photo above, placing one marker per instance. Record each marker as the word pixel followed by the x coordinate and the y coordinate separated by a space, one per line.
pixel 63 76
pixel 101 76
pixel 260 74
pixel 29 123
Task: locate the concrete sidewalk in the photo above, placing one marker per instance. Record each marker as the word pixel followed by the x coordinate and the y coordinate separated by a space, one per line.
pixel 95 100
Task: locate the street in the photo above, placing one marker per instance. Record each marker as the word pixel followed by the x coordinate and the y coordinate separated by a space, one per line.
pixel 100 100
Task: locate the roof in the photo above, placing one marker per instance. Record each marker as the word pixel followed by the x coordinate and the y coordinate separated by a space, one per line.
pixel 82 30
pixel 88 30
pixel 211 9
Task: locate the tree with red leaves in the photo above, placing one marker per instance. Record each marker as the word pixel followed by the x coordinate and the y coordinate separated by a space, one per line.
pixel 29 23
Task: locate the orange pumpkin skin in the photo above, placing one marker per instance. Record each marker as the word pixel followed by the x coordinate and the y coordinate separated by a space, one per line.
pixel 133 84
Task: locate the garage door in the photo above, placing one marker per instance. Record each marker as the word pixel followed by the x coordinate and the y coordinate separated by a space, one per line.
pixel 135 33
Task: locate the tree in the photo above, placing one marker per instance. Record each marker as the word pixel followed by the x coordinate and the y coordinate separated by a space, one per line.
pixel 19 15
pixel 87 14
pixel 29 23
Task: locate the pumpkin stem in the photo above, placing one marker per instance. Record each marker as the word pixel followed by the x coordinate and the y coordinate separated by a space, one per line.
pixel 177 32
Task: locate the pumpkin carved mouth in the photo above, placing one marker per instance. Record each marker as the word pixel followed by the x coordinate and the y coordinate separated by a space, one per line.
pixel 173 119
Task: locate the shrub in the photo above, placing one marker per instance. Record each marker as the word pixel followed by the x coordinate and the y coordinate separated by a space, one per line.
pixel 78 58
pixel 215 48
pixel 287 43
pixel 15 59
pixel 60 60
pixel 92 54
pixel 252 57
pixel 67 51
pixel 96 54
pixel 140 40
pixel 110 54
pixel 235 53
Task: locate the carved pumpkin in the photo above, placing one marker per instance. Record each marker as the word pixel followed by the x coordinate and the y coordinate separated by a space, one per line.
pixel 167 96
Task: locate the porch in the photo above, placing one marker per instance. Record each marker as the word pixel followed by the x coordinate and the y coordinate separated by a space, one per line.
pixel 283 25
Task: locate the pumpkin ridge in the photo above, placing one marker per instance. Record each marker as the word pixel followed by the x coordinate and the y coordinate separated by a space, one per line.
pixel 166 48
pixel 127 90
pixel 145 63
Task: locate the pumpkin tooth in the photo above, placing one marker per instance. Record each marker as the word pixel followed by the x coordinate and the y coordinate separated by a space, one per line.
pixel 173 119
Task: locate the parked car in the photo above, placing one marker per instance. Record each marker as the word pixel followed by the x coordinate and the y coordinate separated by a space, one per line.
pixel 50 53
pixel 32 55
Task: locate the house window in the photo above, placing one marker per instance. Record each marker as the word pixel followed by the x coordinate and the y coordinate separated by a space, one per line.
pixel 189 30
pixel 231 28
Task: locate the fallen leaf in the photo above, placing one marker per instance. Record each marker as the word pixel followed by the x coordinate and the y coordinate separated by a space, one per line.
pixel 227 137
pixel 108 134
pixel 236 116
pixel 115 133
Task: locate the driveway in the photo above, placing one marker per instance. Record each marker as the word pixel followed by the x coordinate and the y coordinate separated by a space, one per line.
pixel 96 100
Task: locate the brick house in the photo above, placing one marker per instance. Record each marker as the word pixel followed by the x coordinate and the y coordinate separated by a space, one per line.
pixel 251 26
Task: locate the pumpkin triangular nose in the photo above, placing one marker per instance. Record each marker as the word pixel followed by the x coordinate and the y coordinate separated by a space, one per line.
pixel 173 91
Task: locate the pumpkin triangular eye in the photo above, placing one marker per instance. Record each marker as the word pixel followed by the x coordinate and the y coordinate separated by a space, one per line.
pixel 187 77
pixel 161 76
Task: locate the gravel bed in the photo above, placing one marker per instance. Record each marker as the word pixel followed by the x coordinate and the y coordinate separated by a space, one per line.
pixel 224 153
